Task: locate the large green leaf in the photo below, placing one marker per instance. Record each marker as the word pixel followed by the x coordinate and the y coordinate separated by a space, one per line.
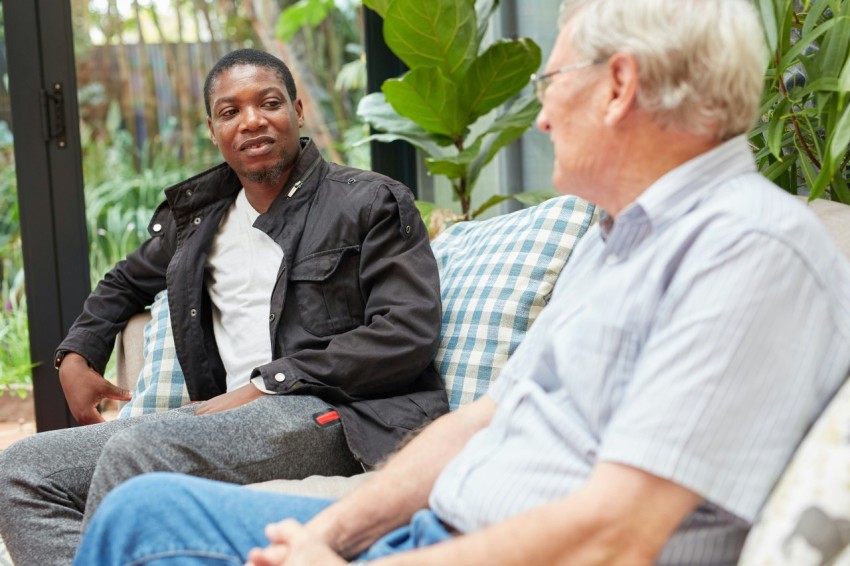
pixel 529 198
pixel 505 130
pixel 302 13
pixel 379 6
pixel 427 97
pixel 432 33
pixel 425 144
pixel 377 112
pixel 455 166
pixel 498 74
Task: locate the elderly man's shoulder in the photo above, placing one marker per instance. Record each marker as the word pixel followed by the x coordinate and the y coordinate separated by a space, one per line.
pixel 756 207
pixel 751 223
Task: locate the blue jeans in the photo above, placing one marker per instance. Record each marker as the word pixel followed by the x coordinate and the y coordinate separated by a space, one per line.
pixel 161 518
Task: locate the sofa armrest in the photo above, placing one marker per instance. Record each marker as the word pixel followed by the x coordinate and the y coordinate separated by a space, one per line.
pixel 129 351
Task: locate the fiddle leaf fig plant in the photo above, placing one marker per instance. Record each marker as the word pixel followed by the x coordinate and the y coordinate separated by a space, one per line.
pixel 453 81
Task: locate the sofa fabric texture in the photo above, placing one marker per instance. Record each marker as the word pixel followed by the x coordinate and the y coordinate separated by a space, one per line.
pixel 495 278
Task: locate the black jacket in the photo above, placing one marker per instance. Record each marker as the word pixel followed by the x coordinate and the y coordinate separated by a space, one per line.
pixel 355 314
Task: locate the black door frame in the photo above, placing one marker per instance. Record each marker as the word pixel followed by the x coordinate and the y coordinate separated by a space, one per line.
pixel 43 92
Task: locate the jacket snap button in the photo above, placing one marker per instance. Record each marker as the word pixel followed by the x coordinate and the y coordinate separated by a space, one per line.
pixel 157 227
pixel 197 220
pixel 271 317
pixel 279 377
pixel 407 229
pixel 188 192
pixel 350 181
pixel 193 312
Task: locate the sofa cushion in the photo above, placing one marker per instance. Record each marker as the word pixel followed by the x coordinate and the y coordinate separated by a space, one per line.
pixel 496 276
pixel 160 385
pixel 806 520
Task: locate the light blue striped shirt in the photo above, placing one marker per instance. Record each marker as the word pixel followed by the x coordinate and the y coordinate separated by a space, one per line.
pixel 696 337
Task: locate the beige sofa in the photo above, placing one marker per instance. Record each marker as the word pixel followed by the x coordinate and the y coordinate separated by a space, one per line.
pixel 835 216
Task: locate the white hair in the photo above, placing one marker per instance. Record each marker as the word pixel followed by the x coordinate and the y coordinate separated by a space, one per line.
pixel 701 62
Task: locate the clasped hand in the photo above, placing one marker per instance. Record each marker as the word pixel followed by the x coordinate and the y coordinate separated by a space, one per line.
pixel 293 544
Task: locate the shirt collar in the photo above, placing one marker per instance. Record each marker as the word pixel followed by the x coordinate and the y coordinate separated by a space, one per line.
pixel 682 188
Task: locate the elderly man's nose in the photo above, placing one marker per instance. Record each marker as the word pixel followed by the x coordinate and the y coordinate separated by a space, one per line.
pixel 542 121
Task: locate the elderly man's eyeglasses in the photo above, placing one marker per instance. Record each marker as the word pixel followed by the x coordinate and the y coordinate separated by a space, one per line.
pixel 541 82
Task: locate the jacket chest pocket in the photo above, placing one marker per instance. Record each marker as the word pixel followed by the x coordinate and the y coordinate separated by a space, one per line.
pixel 327 290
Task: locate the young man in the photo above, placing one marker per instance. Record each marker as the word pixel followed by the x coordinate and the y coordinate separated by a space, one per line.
pixel 296 288
pixel 697 331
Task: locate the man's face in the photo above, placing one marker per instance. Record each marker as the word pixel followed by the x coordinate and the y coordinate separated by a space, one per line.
pixel 572 116
pixel 254 123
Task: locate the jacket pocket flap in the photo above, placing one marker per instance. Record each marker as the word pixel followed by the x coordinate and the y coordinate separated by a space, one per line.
pixel 320 265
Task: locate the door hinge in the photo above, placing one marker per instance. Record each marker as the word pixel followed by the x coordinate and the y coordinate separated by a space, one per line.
pixel 53 115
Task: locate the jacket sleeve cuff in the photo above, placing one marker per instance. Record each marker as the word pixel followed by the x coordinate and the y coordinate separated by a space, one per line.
pixel 277 377
pixel 90 346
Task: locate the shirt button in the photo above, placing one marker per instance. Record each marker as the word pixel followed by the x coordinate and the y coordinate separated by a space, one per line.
pixel 271 317
pixel 157 227
pixel 193 312
pixel 279 377
pixel 197 220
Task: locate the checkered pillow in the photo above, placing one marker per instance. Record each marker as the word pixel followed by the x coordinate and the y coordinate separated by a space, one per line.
pixel 161 385
pixel 496 276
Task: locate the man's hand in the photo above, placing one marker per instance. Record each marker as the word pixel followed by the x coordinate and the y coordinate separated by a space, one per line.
pixel 293 545
pixel 84 389
pixel 229 400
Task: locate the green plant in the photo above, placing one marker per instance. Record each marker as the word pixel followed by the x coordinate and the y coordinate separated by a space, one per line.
pixel 125 185
pixel 454 80
pixel 802 140
pixel 15 363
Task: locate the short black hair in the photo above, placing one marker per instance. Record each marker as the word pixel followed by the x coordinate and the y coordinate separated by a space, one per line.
pixel 255 58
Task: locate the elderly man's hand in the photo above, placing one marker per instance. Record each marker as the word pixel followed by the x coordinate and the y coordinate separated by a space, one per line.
pixel 293 545
pixel 229 400
pixel 84 389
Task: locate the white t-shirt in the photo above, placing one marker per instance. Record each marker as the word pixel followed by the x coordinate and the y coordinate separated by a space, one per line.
pixel 241 273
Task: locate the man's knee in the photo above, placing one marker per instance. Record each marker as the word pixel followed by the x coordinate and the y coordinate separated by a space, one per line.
pixel 20 464
pixel 132 450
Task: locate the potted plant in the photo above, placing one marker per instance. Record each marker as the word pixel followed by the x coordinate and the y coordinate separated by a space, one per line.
pixel 453 81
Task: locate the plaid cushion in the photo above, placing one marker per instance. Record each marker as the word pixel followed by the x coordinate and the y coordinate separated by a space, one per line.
pixel 161 385
pixel 496 276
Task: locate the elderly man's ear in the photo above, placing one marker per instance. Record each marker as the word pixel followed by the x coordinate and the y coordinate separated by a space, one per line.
pixel 623 77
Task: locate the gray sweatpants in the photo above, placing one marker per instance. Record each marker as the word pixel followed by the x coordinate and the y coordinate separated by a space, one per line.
pixel 52 482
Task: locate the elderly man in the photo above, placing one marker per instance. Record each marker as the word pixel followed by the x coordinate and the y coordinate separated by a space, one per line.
pixel 298 289
pixel 698 330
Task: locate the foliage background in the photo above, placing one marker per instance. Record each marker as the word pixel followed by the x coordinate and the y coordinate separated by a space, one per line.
pixel 802 141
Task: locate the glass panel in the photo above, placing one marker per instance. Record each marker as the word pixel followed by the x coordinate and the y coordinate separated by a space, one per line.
pixel 16 406
pixel 141 65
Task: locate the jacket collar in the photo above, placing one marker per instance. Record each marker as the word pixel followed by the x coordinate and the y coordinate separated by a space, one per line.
pixel 221 183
